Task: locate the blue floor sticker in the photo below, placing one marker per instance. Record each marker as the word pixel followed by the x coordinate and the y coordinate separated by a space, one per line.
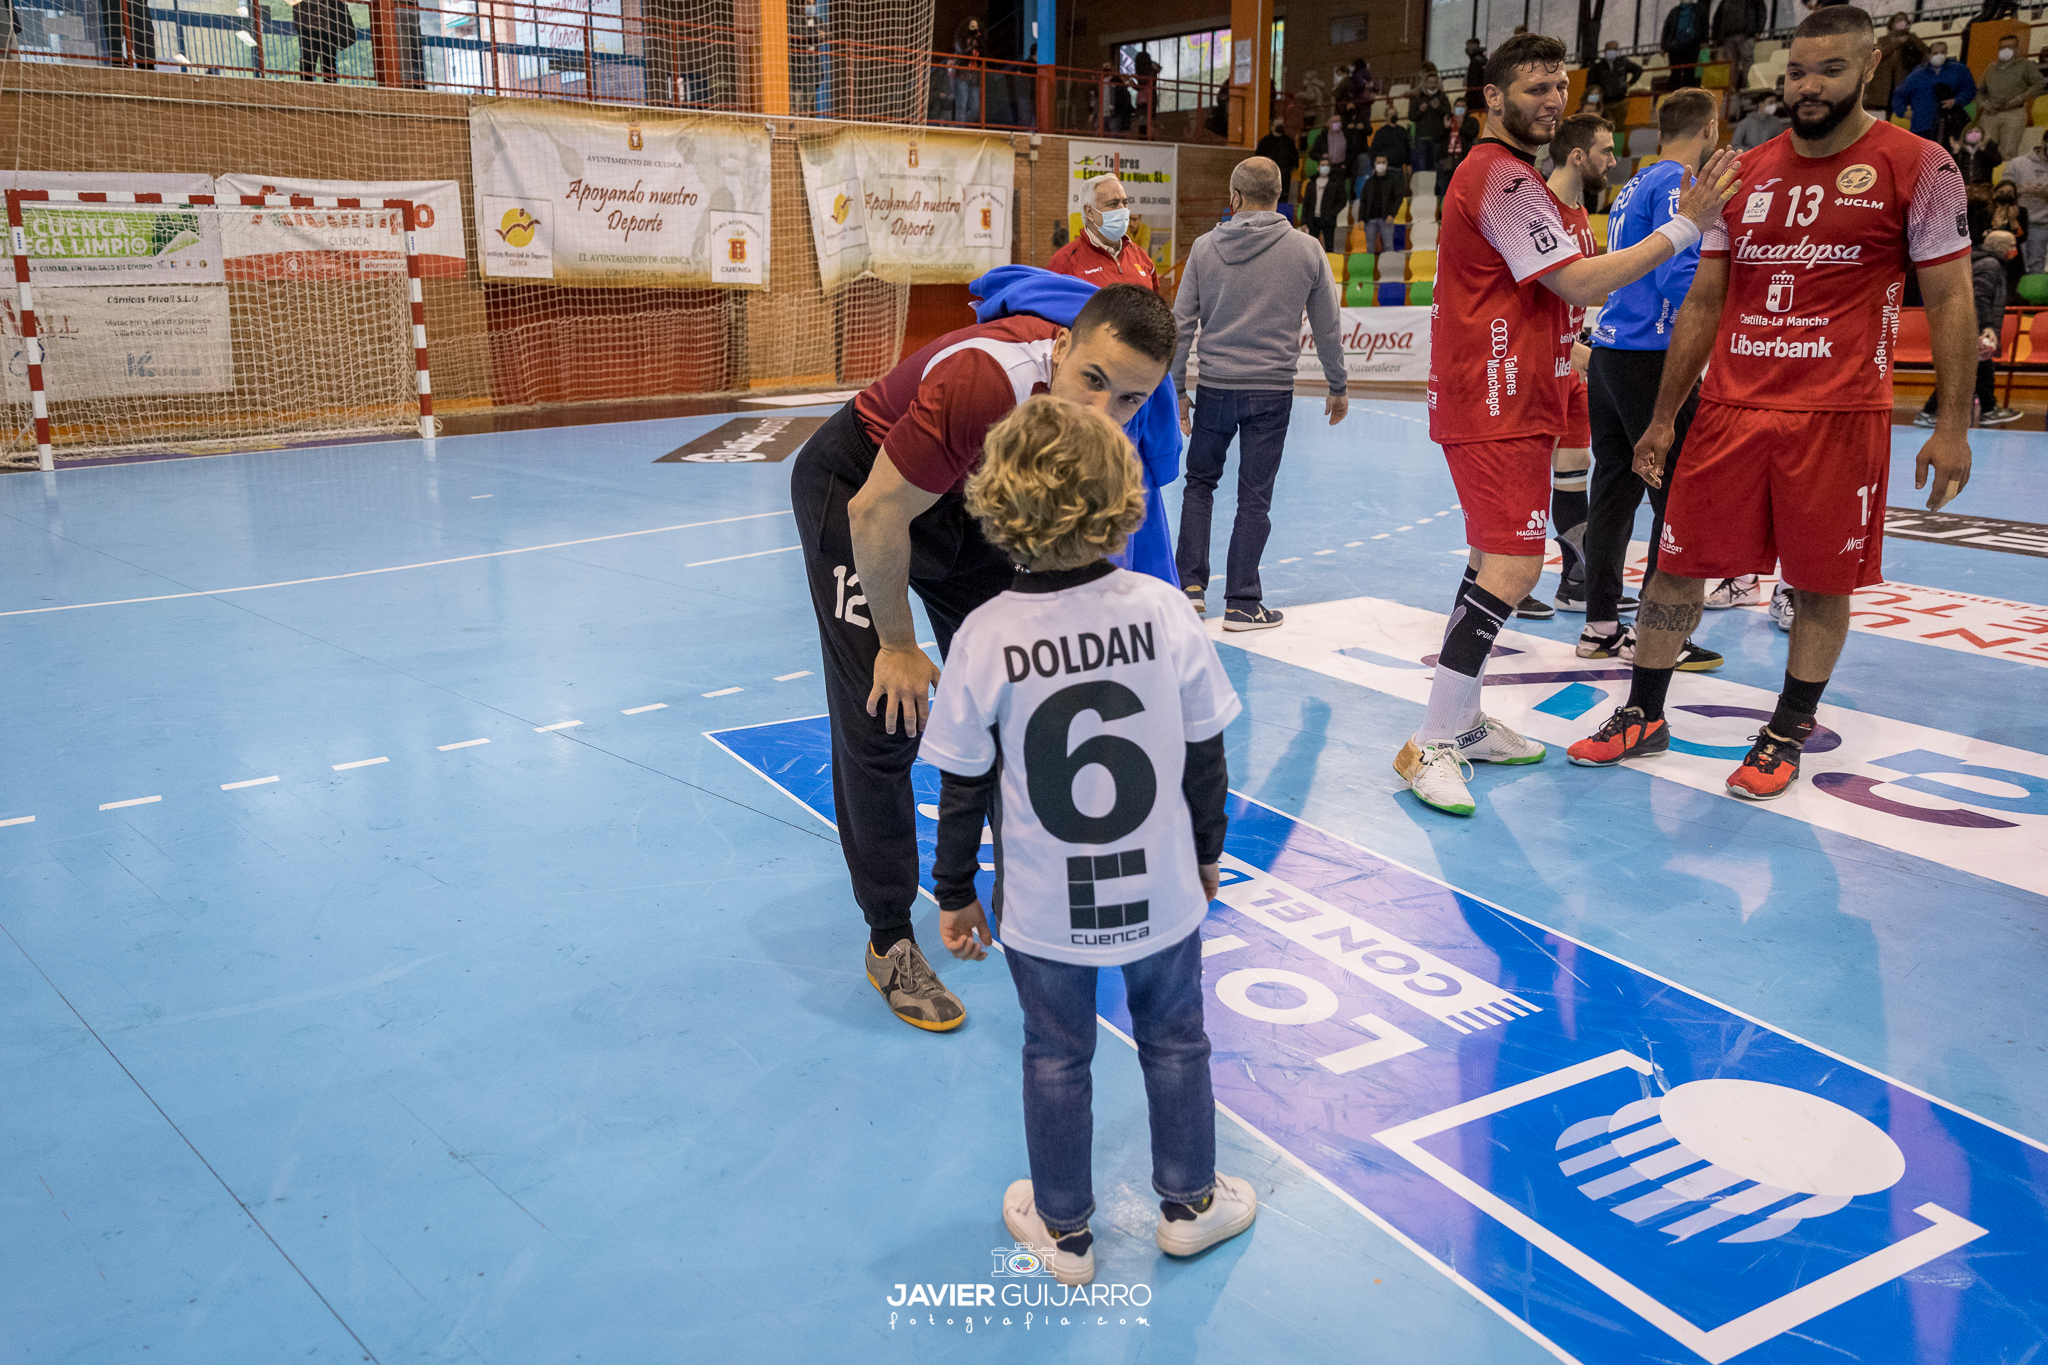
pixel 1628 1170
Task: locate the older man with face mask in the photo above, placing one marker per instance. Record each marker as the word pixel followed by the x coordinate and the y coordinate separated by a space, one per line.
pixel 1935 85
pixel 1105 252
pixel 2009 87
pixel 2029 175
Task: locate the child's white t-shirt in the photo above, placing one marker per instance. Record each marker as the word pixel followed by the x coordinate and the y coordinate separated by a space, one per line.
pixel 1091 696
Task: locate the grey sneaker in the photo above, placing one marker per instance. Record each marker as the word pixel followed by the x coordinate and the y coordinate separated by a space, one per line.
pixel 1197 599
pixel 913 989
pixel 1258 618
pixel 1998 417
pixel 1923 419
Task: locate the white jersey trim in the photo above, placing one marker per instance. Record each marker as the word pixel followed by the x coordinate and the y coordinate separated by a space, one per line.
pixel 1026 364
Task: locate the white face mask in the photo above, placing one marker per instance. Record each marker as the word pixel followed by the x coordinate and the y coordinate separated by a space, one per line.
pixel 1323 171
pixel 1937 58
pixel 1379 168
pixel 2006 54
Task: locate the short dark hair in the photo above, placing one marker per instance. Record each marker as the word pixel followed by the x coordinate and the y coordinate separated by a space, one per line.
pixel 1139 317
pixel 1682 113
pixel 1524 49
pixel 1832 21
pixel 1580 133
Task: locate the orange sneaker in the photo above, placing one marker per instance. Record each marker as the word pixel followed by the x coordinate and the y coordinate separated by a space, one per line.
pixel 1625 735
pixel 1772 765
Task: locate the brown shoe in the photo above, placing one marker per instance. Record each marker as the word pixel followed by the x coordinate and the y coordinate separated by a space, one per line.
pixel 913 989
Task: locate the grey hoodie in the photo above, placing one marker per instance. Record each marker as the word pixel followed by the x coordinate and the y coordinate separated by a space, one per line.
pixel 1245 286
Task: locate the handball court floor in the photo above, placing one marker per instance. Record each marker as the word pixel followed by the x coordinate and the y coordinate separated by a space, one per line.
pixel 397 970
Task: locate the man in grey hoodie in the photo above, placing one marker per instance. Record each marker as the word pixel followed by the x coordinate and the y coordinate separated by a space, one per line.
pixel 1244 290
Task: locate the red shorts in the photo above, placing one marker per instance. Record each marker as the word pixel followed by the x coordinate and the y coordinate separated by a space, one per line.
pixel 1803 489
pixel 1578 425
pixel 1504 487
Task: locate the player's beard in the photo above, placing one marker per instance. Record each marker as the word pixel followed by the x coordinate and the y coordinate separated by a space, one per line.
pixel 1819 128
pixel 1522 127
pixel 1591 186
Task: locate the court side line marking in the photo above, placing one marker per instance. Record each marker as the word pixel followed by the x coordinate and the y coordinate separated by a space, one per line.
pixel 791 677
pixel 461 744
pixel 400 568
pixel 359 763
pixel 558 725
pixel 725 691
pixel 639 710
pixel 252 782
pixel 18 820
pixel 137 801
pixel 755 555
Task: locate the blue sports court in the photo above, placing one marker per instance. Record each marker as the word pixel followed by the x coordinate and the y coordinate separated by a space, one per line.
pixel 426 941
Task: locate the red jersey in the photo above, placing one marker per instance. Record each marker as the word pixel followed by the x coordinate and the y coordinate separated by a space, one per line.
pixel 1818 250
pixel 1496 366
pixel 930 414
pixel 1580 225
pixel 1084 260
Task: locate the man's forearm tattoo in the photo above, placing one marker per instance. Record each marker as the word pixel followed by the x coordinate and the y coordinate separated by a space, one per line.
pixel 1678 618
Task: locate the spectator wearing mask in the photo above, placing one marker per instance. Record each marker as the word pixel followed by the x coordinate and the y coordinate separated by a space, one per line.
pixel 1933 88
pixel 1475 67
pixel 1105 253
pixel 1464 131
pixel 1322 198
pixel 1379 202
pixel 967 73
pixel 2028 177
pixel 1685 31
pixel 1612 75
pixel 2008 215
pixel 2007 91
pixel 1977 157
pixel 1279 149
pixel 1331 144
pixel 1987 282
pixel 1736 26
pixel 1761 125
pixel 1429 109
pixel 1390 139
pixel 1364 87
pixel 1898 52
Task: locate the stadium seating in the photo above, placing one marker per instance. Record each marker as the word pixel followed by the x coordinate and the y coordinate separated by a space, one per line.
pixel 1599 223
pixel 1913 346
pixel 1359 294
pixel 1392 265
pixel 1336 266
pixel 1358 266
pixel 2033 289
pixel 2037 112
pixel 1422 235
pixel 1421 266
pixel 1423 293
pixel 1422 208
pixel 1392 295
pixel 1642 142
pixel 1422 182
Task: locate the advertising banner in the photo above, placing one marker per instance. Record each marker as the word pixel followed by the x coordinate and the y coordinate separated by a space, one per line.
pixel 910 208
pixel 1381 345
pixel 114 243
pixel 1148 172
pixel 592 198
pixel 341 244
pixel 124 341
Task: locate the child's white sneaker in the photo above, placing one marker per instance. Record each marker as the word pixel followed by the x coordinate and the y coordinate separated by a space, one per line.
pixel 1073 1256
pixel 1183 1230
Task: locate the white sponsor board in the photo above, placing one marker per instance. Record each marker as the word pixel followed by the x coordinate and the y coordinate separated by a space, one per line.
pixel 118 244
pixel 1149 172
pixel 329 244
pixel 590 198
pixel 1966 803
pixel 124 341
pixel 1382 345
pixel 909 207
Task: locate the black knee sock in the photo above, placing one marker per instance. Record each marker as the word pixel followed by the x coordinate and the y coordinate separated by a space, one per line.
pixel 1469 639
pixel 1646 690
pixel 1471 577
pixel 882 940
pixel 1567 505
pixel 1796 705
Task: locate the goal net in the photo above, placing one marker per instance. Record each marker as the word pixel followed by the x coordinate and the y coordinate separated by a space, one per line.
pixel 144 320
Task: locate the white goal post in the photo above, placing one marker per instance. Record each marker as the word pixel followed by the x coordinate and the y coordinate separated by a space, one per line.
pixel 271 351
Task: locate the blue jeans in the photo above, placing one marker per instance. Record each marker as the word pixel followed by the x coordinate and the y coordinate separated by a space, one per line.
pixel 1425 154
pixel 1165 995
pixel 1258 419
pixel 967 98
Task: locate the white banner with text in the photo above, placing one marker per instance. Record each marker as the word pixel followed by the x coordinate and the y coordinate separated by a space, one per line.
pixel 909 207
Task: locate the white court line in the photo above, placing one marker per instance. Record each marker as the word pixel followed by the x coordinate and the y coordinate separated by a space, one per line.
pixel 252 782
pixel 19 820
pixel 1399 528
pixel 1381 536
pixel 558 725
pixel 725 691
pixel 359 763
pixel 398 568
pixel 637 710
pixel 755 555
pixel 1326 552
pixel 1353 544
pixel 138 801
pixel 1294 560
pixel 474 496
pixel 461 744
pixel 792 677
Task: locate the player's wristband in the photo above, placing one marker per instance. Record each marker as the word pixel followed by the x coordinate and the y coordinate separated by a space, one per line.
pixel 1680 232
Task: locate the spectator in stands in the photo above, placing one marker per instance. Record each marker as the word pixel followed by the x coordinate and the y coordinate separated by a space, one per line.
pixel 2007 215
pixel 967 77
pixel 1899 51
pixel 1736 26
pixel 2041 61
pixel 1612 76
pixel 326 29
pixel 1987 281
pixel 1279 149
pixel 1475 67
pixel 1321 200
pixel 1123 102
pixel 1763 123
pixel 1379 202
pixel 1932 89
pixel 1685 31
pixel 1390 140
pixel 1464 131
pixel 1429 109
pixel 1331 145
pixel 1105 253
pixel 2028 177
pixel 2008 90
pixel 1364 86
pixel 1976 156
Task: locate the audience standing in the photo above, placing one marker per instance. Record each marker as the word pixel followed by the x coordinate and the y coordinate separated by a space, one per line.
pixel 1379 201
pixel 2009 87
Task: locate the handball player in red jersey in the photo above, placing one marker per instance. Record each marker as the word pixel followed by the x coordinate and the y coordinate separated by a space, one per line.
pixel 1796 304
pixel 1509 273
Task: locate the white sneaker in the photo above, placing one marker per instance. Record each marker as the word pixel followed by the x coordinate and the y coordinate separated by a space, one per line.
pixel 1231 1210
pixel 1073 1256
pixel 1781 607
pixel 1735 592
pixel 1437 774
pixel 1493 742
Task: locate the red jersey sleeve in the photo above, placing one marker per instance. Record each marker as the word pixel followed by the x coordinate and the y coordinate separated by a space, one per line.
pixel 1518 217
pixel 937 441
pixel 1937 207
pixel 1714 237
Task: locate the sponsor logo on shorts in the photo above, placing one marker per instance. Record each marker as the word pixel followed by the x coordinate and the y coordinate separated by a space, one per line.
pixel 1819 348
pixel 1534 528
pixel 1804 252
pixel 1668 543
pixel 1856 179
pixel 1854 543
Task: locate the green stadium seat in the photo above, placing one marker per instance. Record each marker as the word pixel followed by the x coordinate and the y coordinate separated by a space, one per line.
pixel 1358 266
pixel 2034 288
pixel 1422 293
pixel 1359 293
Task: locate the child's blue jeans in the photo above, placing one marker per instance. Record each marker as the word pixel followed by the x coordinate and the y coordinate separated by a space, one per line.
pixel 1165 994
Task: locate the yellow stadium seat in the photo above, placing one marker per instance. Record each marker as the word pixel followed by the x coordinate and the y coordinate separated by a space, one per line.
pixel 1421 266
pixel 1402 216
pixel 2037 112
pixel 1599 222
pixel 1336 266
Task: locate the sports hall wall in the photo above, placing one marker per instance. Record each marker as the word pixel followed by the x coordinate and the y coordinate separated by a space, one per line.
pixel 497 344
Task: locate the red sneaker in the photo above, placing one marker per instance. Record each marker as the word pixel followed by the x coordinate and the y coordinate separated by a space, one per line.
pixel 1625 735
pixel 1772 765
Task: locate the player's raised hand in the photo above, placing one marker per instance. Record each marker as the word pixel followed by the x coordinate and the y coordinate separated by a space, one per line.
pixel 1948 454
pixel 965 932
pixel 1704 194
pixel 904 679
pixel 1651 450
